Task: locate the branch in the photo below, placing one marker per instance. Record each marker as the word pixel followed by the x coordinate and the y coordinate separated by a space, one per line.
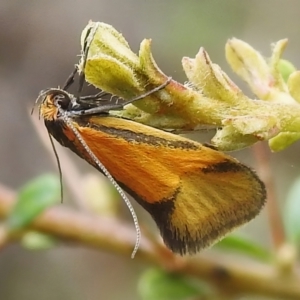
pixel 114 236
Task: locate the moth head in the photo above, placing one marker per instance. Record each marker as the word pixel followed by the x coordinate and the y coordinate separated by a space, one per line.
pixel 53 101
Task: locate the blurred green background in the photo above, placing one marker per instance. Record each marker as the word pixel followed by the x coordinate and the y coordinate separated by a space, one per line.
pixel 39 45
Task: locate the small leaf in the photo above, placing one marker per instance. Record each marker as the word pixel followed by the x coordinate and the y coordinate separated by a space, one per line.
pixel 34 240
pixel 156 284
pixel 106 204
pixel 244 246
pixel 283 140
pixel 33 198
pixel 291 216
pixel 285 68
pixel 293 83
pixel 250 65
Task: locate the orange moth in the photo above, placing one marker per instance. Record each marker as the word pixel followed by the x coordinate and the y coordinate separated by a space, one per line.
pixel 194 193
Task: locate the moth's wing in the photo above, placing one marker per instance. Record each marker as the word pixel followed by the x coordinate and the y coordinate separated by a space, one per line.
pixel 208 204
pixel 195 194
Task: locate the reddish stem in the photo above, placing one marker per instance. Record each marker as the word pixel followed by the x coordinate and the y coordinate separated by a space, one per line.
pixel 262 156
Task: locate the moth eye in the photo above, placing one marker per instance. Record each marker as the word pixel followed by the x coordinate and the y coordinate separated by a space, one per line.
pixel 62 100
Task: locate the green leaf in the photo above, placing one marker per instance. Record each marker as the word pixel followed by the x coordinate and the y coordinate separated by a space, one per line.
pixel 244 246
pixel 291 215
pixel 34 240
pixel 156 284
pixel 285 68
pixel 34 198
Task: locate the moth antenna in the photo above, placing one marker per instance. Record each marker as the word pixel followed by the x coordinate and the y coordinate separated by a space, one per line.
pixel 108 175
pixel 38 99
pixel 59 168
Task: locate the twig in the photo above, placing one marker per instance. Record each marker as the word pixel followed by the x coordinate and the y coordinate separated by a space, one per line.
pixel 115 236
pixel 262 156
